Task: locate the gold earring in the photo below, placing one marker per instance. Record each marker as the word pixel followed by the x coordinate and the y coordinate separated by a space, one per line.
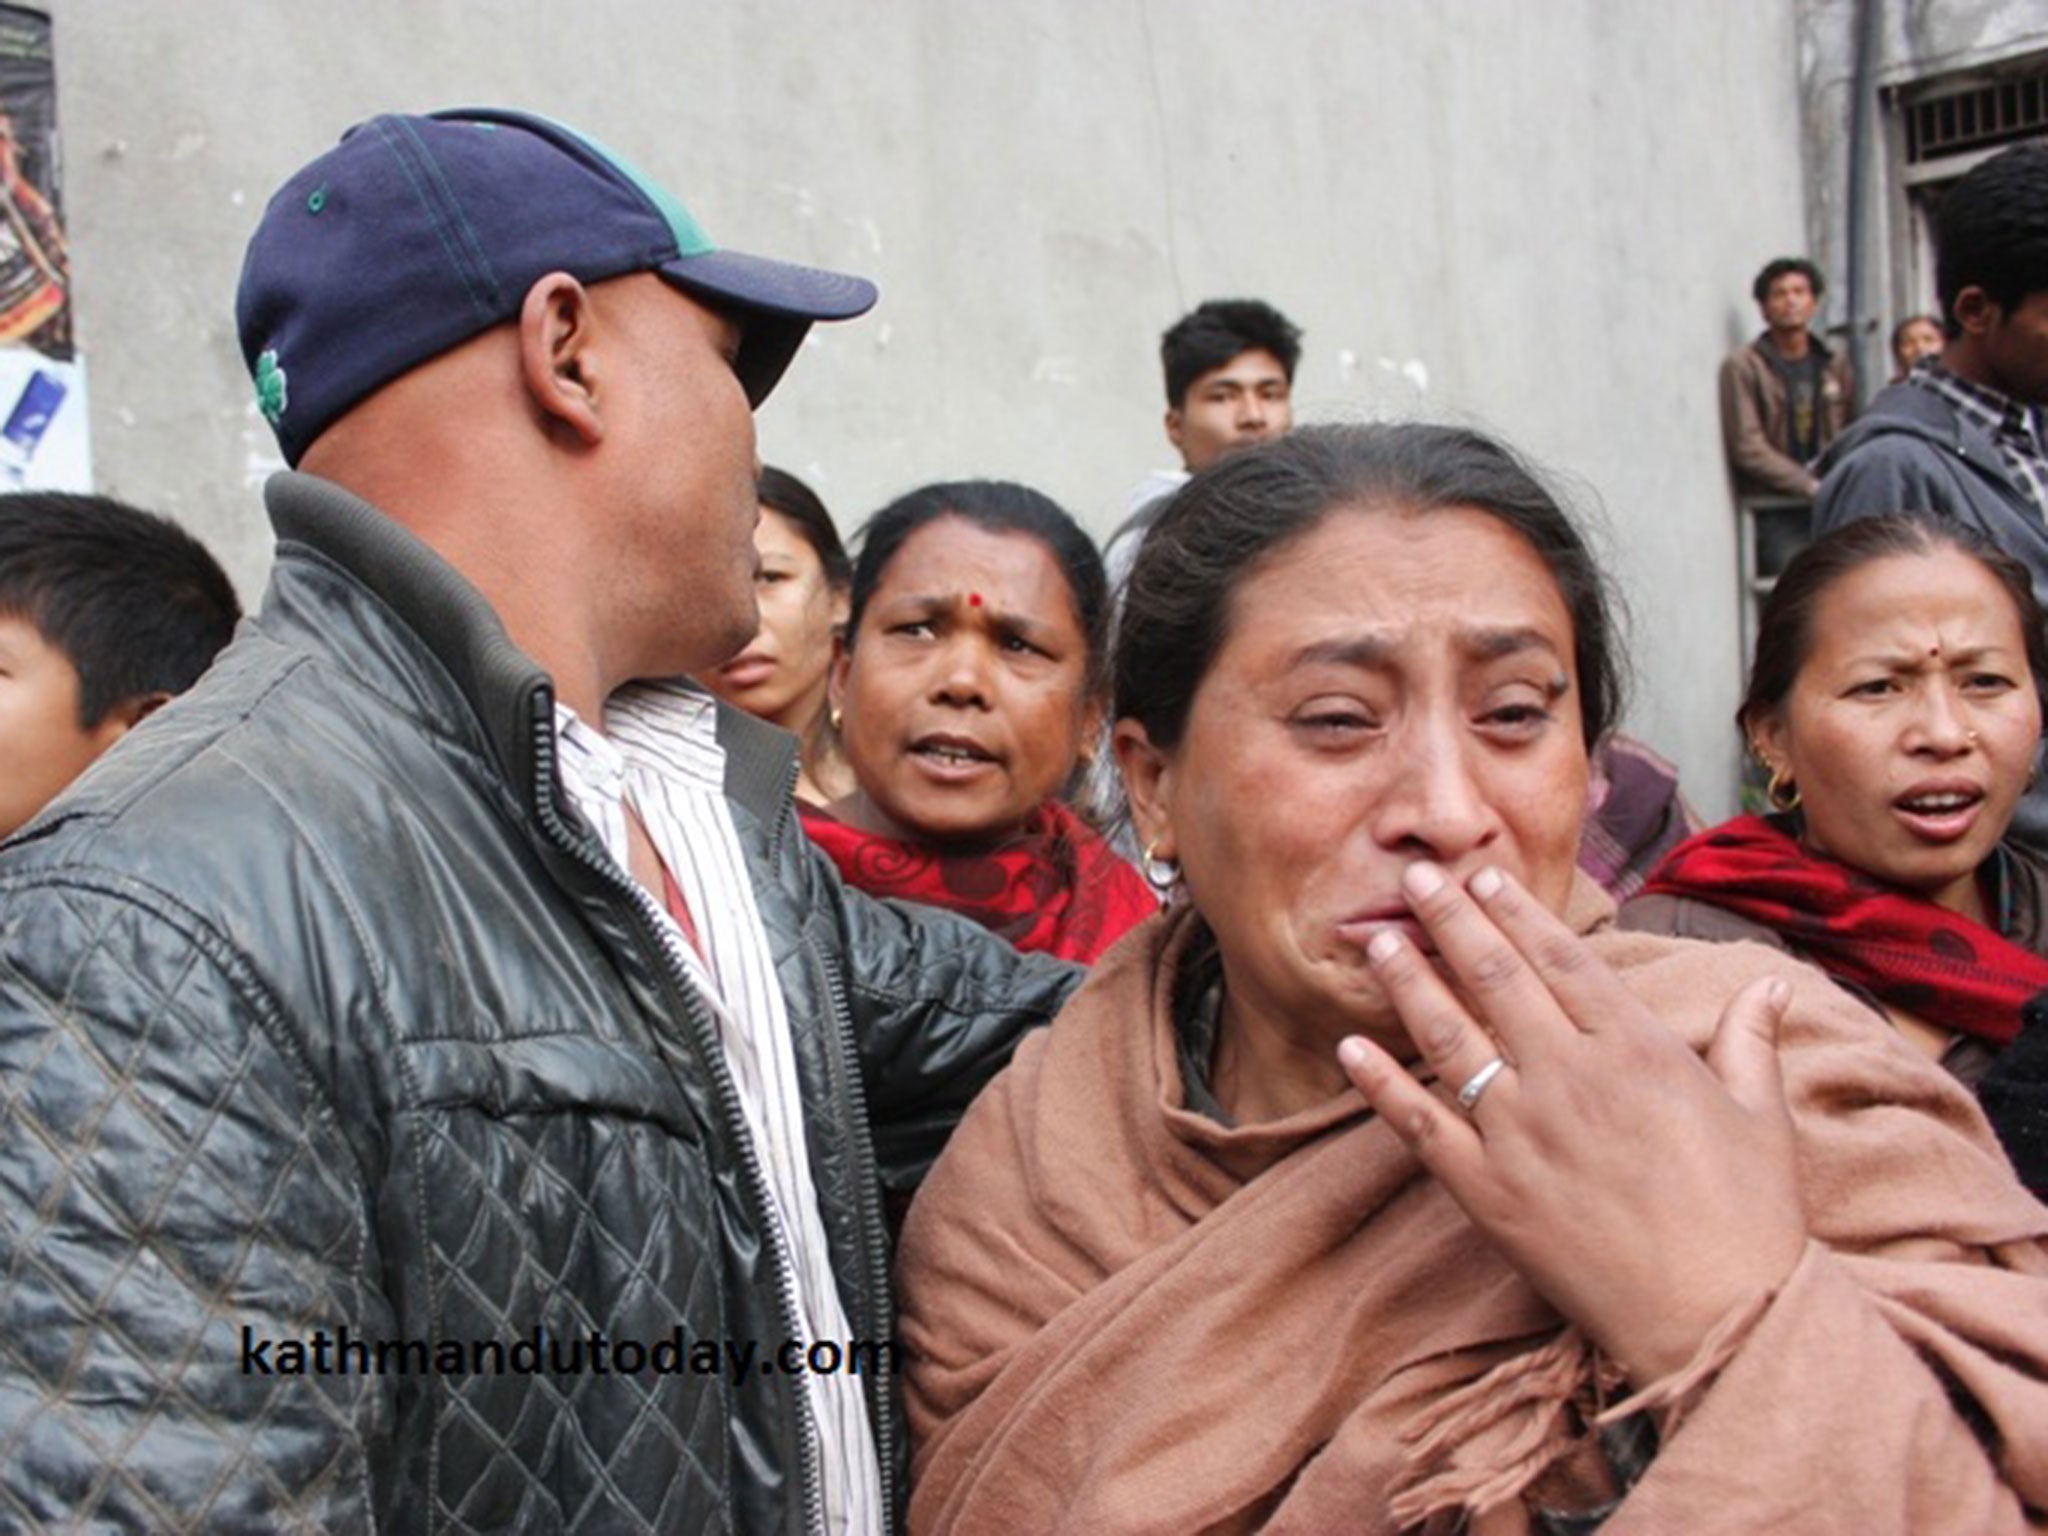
pixel 835 717
pixel 1782 792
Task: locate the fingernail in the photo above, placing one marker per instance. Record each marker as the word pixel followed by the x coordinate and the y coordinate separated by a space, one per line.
pixel 1384 946
pixel 1351 1052
pixel 1487 883
pixel 1422 878
pixel 1777 993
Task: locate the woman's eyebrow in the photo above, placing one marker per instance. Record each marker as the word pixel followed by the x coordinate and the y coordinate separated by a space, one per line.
pixel 1480 643
pixel 1491 644
pixel 923 602
pixel 946 605
pixel 1367 651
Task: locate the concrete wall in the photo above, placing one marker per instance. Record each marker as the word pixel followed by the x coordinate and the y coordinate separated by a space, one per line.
pixel 1537 215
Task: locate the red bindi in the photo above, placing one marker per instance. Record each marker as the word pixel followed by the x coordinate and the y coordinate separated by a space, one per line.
pixel 974 599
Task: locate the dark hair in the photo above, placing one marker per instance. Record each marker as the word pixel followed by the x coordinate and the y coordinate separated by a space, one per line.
pixel 780 491
pixel 134 602
pixel 1761 288
pixel 1211 334
pixel 999 506
pixel 1991 232
pixel 1232 517
pixel 1784 636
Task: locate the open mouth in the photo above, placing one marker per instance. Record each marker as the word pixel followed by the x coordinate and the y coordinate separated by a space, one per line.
pixel 1938 805
pixel 951 752
pixel 1940 814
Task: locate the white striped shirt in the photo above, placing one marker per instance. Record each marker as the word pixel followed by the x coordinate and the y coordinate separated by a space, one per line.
pixel 660 751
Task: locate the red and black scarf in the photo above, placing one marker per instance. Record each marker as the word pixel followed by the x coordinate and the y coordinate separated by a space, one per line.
pixel 1056 887
pixel 1901 948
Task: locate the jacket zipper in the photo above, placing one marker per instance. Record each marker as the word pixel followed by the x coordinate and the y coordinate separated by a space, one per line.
pixel 880 1327
pixel 727 1093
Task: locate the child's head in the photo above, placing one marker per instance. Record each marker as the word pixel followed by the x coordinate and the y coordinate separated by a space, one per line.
pixel 105 612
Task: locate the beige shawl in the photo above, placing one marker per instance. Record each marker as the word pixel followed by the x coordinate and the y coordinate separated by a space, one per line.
pixel 1123 1317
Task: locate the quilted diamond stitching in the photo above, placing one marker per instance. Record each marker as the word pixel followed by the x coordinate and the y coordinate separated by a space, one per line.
pixel 658 1432
pixel 91 1040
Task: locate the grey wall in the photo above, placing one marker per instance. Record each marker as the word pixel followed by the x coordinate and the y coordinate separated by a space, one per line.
pixel 1538 215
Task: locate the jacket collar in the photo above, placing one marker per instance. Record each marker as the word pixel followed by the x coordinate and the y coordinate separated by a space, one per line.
pixel 1908 408
pixel 1763 348
pixel 510 696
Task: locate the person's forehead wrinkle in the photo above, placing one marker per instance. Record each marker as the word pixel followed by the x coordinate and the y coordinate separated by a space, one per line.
pixel 1937 654
pixel 1908 642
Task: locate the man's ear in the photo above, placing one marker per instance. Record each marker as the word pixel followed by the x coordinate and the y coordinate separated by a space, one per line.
pixel 558 356
pixel 1173 425
pixel 1975 310
pixel 1148 782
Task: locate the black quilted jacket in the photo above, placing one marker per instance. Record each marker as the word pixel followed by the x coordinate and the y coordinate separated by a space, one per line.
pixel 320 1010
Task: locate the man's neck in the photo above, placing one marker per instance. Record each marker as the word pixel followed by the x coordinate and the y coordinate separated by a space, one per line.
pixel 1790 345
pixel 535 599
pixel 1963 359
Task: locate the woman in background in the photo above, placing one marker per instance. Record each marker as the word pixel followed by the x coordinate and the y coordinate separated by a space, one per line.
pixel 1896 703
pixel 1913 338
pixel 782 674
pixel 968 688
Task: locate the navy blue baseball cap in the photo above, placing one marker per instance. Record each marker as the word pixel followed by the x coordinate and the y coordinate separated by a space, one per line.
pixel 416 233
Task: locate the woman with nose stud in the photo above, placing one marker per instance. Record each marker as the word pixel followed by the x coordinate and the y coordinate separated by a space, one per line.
pixel 1896 703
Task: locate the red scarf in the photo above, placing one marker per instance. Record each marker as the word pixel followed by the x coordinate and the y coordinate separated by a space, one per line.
pixel 1902 948
pixel 1055 887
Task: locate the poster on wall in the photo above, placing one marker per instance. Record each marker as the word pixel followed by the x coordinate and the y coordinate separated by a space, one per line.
pixel 42 382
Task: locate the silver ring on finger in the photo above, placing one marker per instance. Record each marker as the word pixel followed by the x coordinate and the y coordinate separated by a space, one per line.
pixel 1478 1082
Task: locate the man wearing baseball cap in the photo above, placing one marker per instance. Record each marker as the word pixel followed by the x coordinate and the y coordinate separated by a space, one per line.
pixel 443 1089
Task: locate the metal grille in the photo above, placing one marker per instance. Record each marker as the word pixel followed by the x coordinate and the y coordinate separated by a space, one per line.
pixel 1985 115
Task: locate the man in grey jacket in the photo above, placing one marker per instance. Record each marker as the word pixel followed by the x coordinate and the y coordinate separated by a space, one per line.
pixel 1963 435
pixel 443 1090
